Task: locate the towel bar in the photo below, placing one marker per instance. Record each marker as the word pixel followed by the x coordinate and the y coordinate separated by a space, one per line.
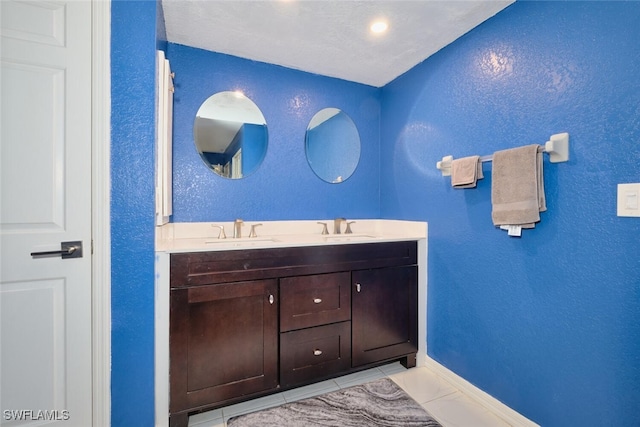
pixel 557 147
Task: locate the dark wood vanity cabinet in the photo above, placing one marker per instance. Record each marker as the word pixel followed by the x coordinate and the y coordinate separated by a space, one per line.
pixel 248 323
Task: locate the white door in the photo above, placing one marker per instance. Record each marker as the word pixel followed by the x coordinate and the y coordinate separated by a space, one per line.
pixel 45 199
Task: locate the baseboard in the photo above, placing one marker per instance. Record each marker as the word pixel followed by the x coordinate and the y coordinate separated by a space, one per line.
pixel 501 410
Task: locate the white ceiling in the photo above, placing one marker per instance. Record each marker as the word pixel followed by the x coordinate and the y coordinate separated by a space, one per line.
pixel 327 37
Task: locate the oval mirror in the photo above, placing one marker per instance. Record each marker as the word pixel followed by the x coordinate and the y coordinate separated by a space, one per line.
pixel 332 145
pixel 230 133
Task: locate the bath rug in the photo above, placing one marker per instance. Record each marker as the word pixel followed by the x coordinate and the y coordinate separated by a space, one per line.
pixel 380 403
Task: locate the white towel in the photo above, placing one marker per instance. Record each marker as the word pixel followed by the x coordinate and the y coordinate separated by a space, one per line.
pixel 517 187
pixel 466 172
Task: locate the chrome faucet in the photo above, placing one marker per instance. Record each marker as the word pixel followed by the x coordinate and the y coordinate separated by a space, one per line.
pixel 237 228
pixel 336 225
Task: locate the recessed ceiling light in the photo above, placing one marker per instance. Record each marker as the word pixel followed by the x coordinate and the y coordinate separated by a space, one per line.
pixel 379 27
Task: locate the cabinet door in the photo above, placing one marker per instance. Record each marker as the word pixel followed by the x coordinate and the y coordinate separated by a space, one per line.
pixel 384 314
pixel 223 342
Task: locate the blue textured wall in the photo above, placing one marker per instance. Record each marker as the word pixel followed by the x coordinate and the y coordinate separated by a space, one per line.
pixel 284 186
pixel 133 44
pixel 548 323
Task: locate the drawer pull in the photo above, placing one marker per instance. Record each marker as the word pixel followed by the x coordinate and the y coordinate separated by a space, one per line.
pixel 317 352
pixel 271 299
pixel 357 287
pixel 317 300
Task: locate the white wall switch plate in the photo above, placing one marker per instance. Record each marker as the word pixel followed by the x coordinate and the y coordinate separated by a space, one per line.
pixel 629 199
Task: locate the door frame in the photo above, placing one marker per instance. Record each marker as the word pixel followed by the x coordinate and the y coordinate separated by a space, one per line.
pixel 100 210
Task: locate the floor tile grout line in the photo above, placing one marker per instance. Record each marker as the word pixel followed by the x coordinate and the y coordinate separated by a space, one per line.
pixel 435 398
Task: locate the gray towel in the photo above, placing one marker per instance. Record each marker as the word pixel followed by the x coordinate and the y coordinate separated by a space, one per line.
pixel 517 187
pixel 466 172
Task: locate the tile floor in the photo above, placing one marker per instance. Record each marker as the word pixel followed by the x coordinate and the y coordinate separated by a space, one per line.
pixel 445 403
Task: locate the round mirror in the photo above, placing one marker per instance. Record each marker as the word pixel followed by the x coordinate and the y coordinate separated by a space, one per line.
pixel 332 145
pixel 230 133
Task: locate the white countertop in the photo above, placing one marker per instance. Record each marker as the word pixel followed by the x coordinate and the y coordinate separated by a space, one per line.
pixel 203 236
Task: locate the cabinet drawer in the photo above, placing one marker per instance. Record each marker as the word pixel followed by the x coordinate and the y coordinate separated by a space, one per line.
pixel 311 354
pixel 307 301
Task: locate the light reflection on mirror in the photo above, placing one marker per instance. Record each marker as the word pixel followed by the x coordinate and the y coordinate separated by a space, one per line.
pixel 230 134
pixel 332 145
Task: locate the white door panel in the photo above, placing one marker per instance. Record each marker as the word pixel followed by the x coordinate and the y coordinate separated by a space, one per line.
pixel 45 189
pixel 42 350
pixel 39 22
pixel 28 203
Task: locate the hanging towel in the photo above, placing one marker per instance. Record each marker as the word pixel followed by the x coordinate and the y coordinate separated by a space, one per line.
pixel 517 187
pixel 465 172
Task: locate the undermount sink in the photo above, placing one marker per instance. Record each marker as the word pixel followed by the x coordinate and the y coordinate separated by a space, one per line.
pixel 248 241
pixel 347 237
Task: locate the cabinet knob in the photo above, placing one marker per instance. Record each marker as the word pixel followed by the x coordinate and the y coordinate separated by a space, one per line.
pixel 271 299
pixel 317 300
pixel 317 352
pixel 358 287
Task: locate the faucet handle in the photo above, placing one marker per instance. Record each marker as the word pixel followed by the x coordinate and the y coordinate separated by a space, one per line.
pixel 221 233
pixel 348 230
pixel 324 228
pixel 252 233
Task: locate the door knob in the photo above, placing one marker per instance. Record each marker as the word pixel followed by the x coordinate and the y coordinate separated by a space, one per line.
pixel 67 250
